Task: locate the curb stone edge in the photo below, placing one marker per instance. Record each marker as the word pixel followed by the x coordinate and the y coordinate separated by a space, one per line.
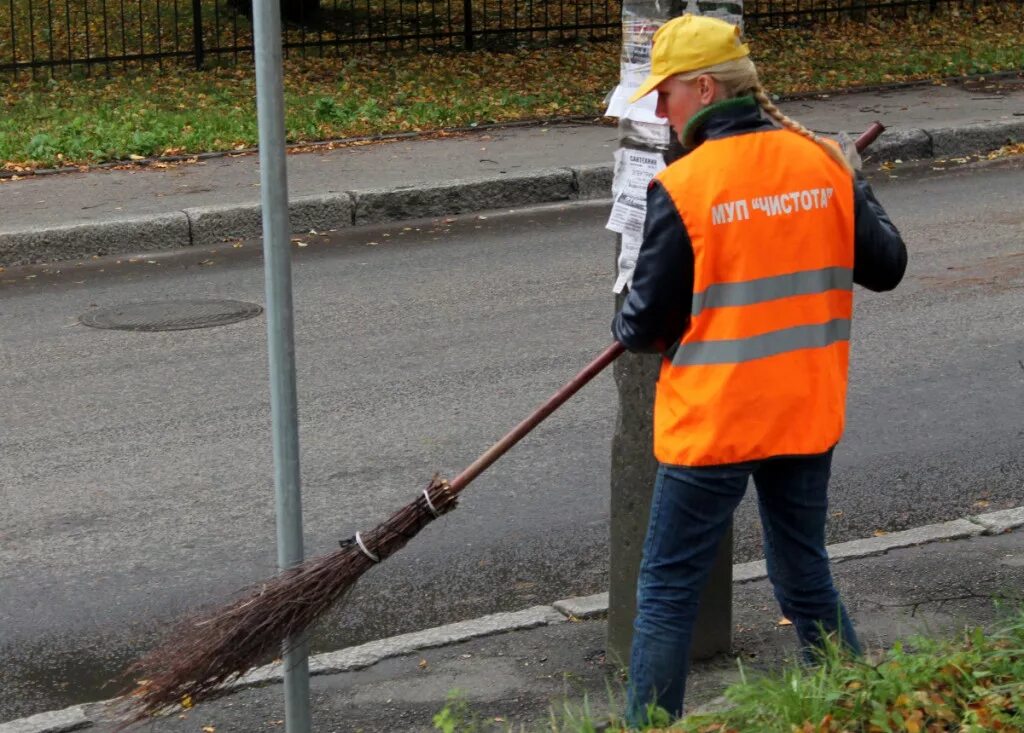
pixel 577 608
pixel 204 225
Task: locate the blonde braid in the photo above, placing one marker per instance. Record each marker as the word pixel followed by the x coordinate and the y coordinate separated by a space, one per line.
pixel 790 124
pixel 739 78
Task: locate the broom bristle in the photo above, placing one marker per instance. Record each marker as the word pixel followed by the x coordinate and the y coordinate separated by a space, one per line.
pixel 205 652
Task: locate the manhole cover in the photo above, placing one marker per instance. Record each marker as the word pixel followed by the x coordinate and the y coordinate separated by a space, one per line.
pixel 170 315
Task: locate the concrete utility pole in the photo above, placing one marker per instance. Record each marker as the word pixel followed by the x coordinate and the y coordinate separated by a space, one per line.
pixel 633 464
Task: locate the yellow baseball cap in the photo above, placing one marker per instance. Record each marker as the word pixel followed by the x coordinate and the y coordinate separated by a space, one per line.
pixel 688 43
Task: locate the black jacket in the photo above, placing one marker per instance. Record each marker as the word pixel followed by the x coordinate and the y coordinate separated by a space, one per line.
pixel 657 309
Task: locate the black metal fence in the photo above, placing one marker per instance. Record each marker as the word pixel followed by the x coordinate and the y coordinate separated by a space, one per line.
pixel 787 13
pixel 103 36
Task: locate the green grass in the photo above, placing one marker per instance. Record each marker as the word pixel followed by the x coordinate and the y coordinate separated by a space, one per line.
pixel 973 683
pixel 87 121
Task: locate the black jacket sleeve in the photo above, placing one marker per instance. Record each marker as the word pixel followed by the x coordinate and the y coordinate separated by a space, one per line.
pixel 879 254
pixel 657 309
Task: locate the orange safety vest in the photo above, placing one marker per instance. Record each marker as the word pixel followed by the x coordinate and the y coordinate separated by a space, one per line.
pixel 761 370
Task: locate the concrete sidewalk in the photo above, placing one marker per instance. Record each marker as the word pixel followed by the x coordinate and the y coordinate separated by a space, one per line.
pixel 78 215
pixel 515 668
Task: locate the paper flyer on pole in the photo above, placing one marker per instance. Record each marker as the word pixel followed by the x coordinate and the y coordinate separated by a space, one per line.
pixel 627 260
pixel 634 67
pixel 634 170
pixel 728 10
pixel 637 35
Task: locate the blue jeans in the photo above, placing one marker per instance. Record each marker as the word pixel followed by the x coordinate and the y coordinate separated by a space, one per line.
pixel 690 512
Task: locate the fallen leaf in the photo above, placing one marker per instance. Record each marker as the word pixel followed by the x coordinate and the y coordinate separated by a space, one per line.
pixel 784 622
pixel 423 664
pixel 879 533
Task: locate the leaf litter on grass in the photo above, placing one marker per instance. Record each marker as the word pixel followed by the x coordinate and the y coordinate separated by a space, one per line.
pixel 58 121
pixel 970 683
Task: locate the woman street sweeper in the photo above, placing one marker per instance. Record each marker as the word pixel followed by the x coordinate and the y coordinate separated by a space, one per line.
pixel 752 243
pixel 751 247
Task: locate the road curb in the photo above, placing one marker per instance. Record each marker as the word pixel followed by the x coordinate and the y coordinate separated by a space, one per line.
pixel 366 655
pixel 461 196
pixel 945 142
pixel 56 721
pixel 206 225
pixel 1001 521
pixel 568 609
pixel 136 235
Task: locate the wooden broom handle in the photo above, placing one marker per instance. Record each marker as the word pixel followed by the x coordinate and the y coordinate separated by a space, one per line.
pixel 592 369
pixel 869 136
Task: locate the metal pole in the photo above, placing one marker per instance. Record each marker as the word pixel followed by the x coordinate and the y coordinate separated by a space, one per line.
pixel 280 335
pixel 467 24
pixel 197 33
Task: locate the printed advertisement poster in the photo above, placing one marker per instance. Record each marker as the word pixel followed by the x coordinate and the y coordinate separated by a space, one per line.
pixel 634 170
pixel 637 35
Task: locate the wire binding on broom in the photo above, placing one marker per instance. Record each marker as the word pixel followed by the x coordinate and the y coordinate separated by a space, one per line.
pixel 207 651
pixel 362 546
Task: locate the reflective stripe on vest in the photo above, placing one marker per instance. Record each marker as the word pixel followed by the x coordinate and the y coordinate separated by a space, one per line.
pixel 761 369
pixel 770 288
pixel 734 351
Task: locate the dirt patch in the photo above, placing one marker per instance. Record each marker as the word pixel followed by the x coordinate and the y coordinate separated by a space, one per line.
pixel 997 274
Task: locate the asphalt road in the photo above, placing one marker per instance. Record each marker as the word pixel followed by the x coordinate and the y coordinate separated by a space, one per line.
pixel 137 477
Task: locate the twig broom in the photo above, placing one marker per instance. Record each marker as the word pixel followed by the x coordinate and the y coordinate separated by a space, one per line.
pixel 206 652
